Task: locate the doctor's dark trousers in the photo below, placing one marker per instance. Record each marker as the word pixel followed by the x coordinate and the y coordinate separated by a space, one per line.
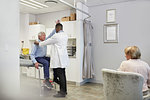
pixel 60 78
pixel 45 61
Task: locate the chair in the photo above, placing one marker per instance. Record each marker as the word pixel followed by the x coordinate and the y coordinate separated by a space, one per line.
pixel 122 85
pixel 147 97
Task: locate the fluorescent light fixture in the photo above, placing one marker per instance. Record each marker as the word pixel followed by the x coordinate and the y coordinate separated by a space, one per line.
pixel 38 3
pixel 28 5
pixel 66 3
pixel 31 3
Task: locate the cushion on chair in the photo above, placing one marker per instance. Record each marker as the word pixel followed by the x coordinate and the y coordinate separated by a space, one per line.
pixel 120 85
pixel 26 62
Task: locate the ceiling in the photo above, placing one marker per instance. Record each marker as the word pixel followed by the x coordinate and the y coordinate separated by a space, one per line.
pixel 52 7
pixel 103 2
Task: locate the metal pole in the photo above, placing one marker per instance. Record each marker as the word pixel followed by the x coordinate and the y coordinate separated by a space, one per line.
pixel 41 91
pixel 66 3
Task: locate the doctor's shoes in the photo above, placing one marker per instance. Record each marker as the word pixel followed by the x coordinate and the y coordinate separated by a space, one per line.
pixel 60 95
pixel 60 92
pixel 48 84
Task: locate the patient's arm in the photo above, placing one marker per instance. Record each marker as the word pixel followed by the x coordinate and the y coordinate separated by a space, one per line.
pixel 32 55
pixel 54 31
pixel 51 34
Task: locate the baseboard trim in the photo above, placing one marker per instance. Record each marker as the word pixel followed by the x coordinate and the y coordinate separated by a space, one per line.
pixel 85 81
pixel 81 83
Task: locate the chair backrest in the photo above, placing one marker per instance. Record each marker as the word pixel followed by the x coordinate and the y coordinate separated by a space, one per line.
pixel 120 85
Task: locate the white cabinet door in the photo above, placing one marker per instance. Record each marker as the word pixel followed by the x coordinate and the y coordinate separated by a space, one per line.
pixel 34 30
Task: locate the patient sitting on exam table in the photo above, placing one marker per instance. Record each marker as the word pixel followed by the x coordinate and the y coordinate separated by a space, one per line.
pixel 38 55
pixel 135 64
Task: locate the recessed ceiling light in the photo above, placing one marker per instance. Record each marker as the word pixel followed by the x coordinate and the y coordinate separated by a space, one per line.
pixel 28 5
pixel 52 1
pixel 38 3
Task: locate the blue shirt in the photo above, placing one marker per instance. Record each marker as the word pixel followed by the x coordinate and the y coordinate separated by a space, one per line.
pixel 38 51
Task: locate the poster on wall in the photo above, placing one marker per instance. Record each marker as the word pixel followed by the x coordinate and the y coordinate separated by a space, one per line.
pixel 110 15
pixel 111 33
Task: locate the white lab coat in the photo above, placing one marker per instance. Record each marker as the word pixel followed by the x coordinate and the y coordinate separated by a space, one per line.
pixel 59 55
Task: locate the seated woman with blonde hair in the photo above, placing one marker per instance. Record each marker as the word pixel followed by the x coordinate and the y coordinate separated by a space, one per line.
pixel 135 64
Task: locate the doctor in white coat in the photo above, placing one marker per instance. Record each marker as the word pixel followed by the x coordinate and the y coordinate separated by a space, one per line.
pixel 59 57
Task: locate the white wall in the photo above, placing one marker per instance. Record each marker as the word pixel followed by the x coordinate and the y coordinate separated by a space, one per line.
pixel 48 19
pixel 9 48
pixel 32 18
pixel 80 15
pixel 133 19
pixel 24 29
pixel 25 19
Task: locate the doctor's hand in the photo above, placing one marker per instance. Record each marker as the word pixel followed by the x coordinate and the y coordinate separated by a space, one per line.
pixel 37 65
pixel 36 42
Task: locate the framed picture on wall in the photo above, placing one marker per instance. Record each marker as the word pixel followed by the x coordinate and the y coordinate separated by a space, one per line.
pixel 110 15
pixel 111 33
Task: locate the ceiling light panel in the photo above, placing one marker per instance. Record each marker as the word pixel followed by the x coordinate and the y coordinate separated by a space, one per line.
pixel 38 3
pixel 28 5
pixel 33 4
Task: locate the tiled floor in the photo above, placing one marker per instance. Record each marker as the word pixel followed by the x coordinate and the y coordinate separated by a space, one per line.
pixel 30 90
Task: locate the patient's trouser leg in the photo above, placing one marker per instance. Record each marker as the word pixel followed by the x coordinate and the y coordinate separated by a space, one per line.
pixel 45 61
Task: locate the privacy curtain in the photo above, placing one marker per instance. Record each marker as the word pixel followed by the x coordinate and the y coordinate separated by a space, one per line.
pixel 88 69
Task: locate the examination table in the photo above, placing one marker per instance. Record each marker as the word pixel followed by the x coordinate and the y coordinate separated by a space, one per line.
pixel 29 63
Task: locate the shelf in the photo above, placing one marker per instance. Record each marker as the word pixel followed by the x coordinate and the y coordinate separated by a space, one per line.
pixel 71 45
pixel 72 56
pixel 71 38
pixel 32 40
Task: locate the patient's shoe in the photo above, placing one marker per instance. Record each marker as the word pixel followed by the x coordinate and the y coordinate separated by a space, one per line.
pixel 56 81
pixel 48 83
